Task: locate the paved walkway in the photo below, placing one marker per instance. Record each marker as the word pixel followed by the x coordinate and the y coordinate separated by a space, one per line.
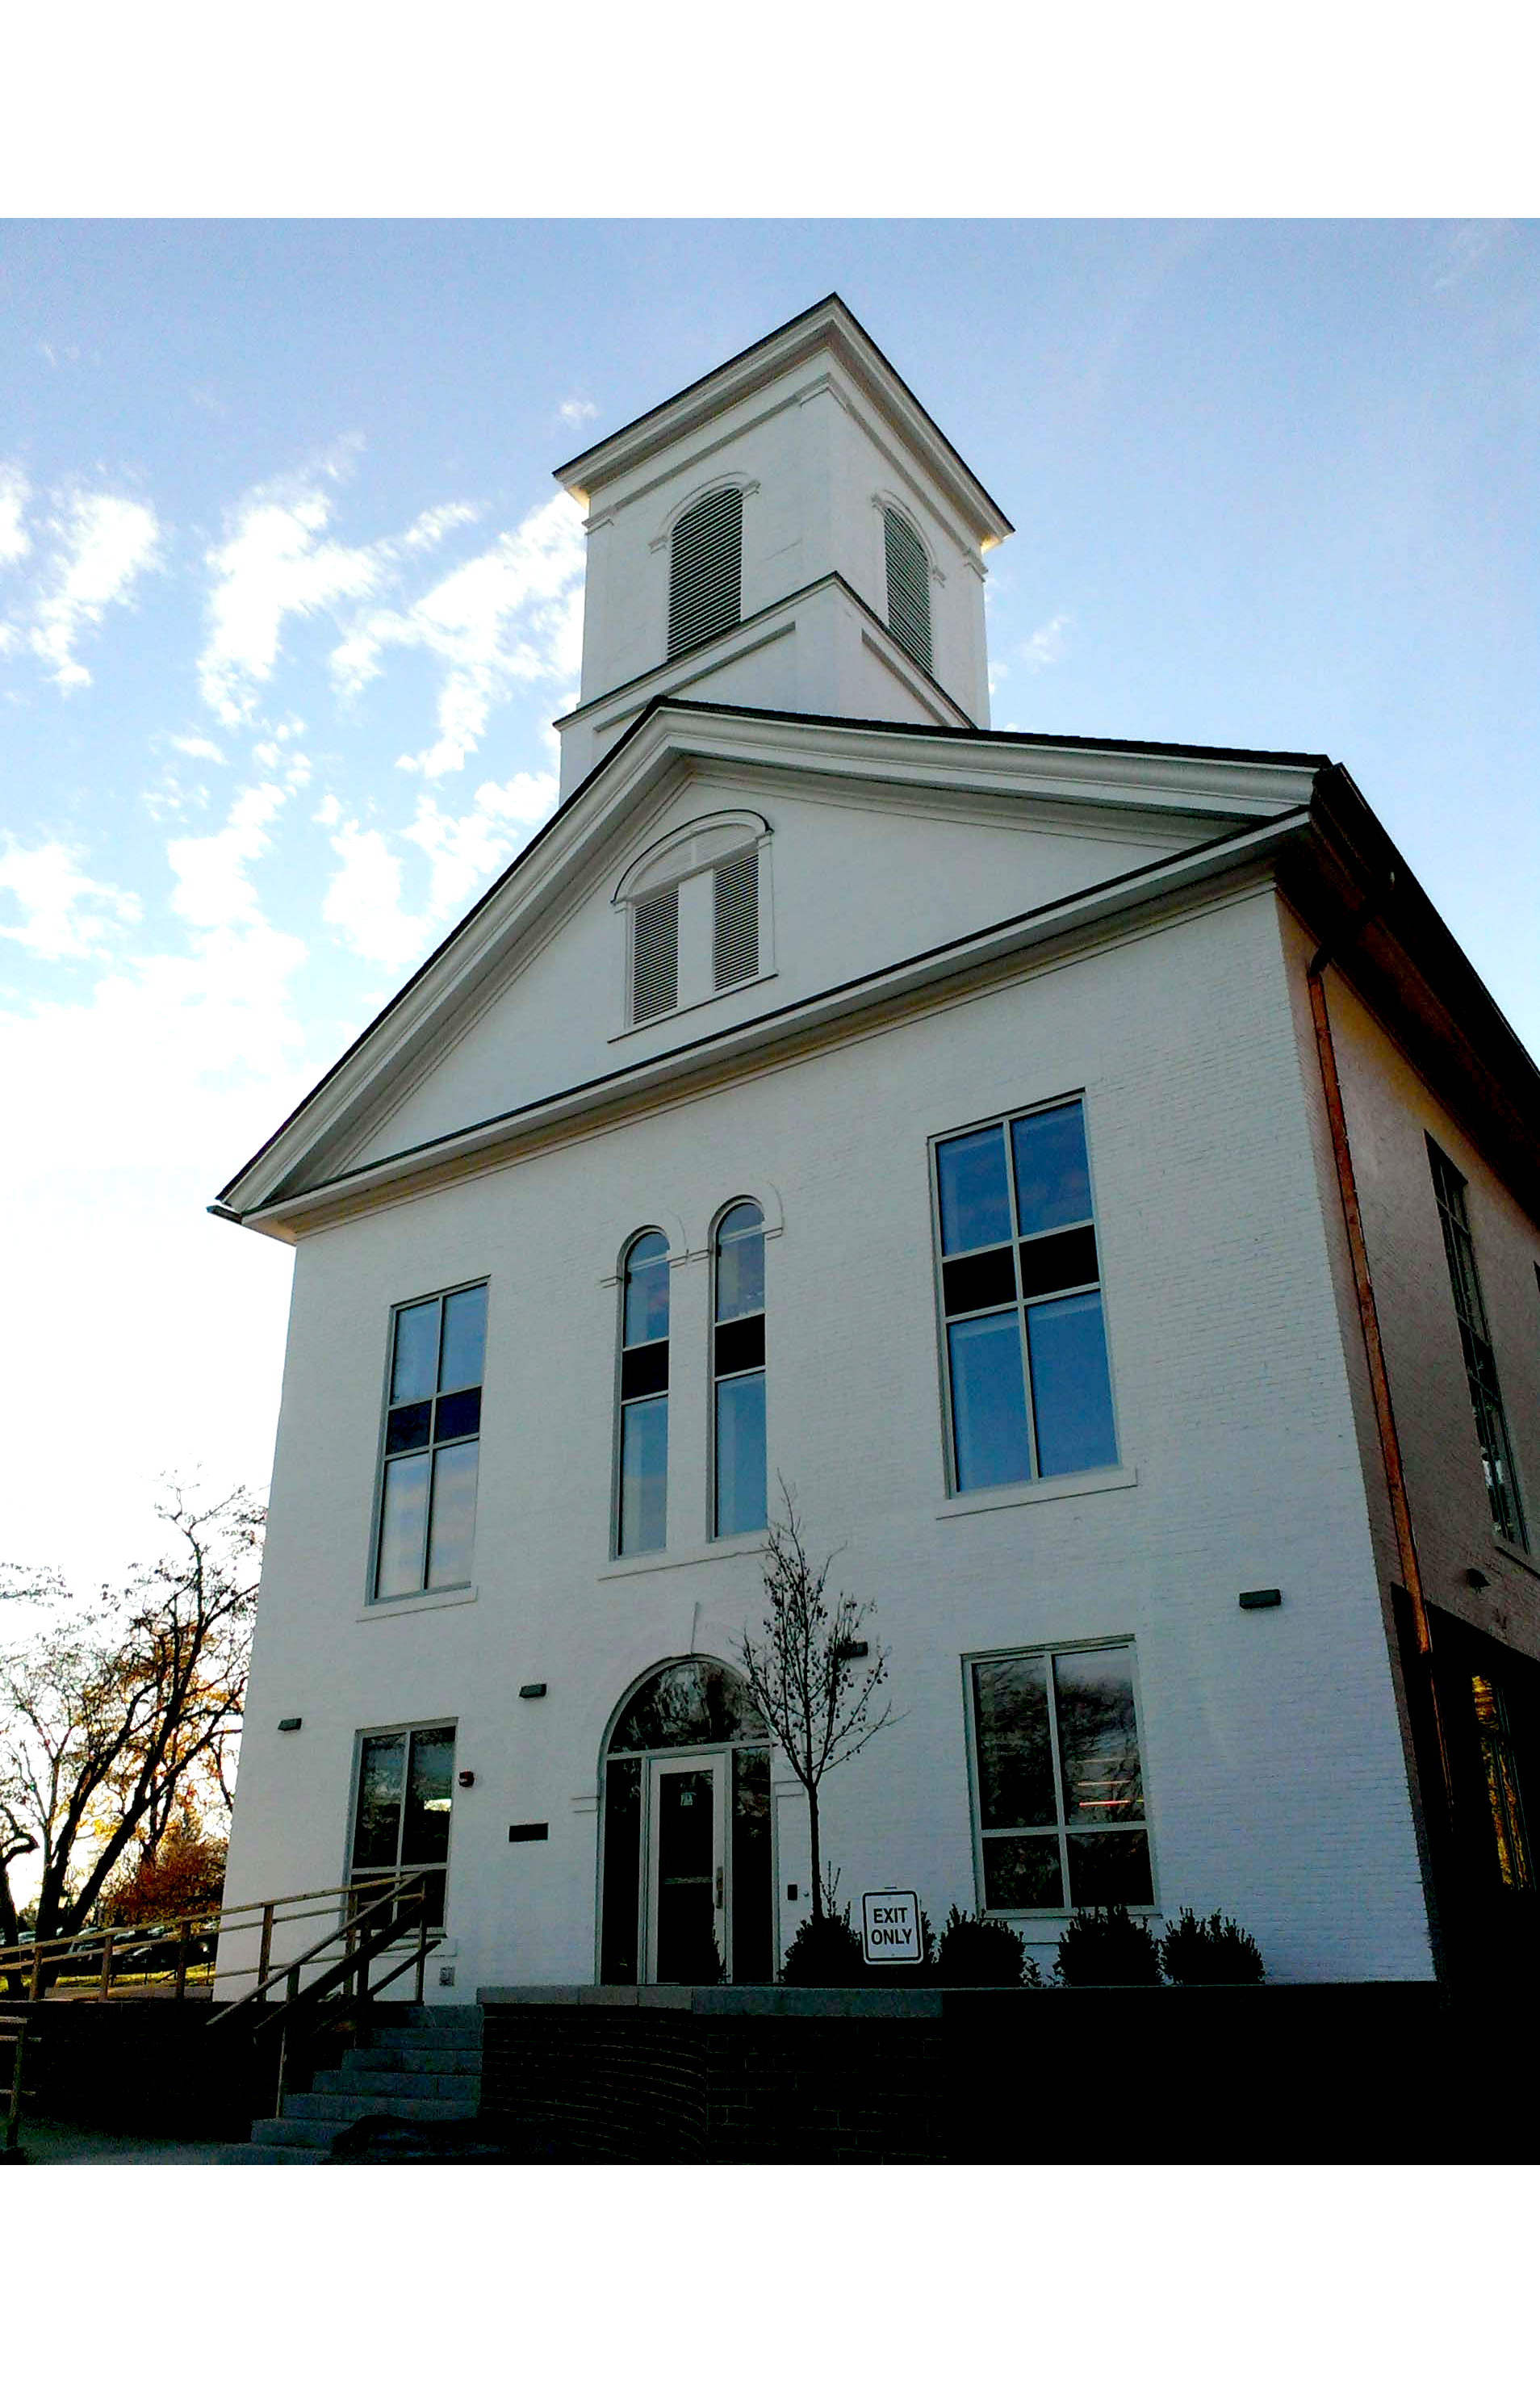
pixel 50 2142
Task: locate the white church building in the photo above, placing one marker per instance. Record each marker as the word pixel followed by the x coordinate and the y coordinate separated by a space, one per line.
pixel 1088 1172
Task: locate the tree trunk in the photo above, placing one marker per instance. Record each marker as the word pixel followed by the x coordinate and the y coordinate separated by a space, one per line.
pixel 813 1830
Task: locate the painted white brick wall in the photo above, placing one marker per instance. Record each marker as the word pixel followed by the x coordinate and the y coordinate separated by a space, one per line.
pixel 1274 1767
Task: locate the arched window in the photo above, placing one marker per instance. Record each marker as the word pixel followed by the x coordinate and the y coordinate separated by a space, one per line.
pixel 738 1372
pixel 641 1517
pixel 706 569
pixel 688 1890
pixel 908 587
pixel 696 907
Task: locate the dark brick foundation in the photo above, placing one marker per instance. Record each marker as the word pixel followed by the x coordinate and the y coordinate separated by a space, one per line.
pixel 150 2068
pixel 1118 2074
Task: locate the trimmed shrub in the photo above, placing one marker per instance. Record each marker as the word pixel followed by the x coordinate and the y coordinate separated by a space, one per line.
pixel 982 1953
pixel 1104 1947
pixel 1211 1952
pixel 826 1952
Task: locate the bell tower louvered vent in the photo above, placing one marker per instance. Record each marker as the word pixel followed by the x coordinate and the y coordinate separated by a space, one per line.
pixel 908 587
pixel 655 954
pixel 706 570
pixel 735 940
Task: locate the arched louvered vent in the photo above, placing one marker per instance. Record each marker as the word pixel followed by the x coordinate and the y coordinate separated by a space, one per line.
pixel 655 954
pixel 706 569
pixel 908 587
pixel 735 938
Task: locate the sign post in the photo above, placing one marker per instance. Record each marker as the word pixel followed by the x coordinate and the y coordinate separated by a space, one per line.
pixel 889 1926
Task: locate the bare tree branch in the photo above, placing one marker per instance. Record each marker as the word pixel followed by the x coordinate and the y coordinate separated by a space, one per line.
pixel 802 1674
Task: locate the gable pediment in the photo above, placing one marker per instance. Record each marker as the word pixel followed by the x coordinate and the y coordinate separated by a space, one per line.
pixel 884 850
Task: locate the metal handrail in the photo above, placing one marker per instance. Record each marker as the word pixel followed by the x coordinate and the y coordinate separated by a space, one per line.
pixel 406 1882
pixel 13 2029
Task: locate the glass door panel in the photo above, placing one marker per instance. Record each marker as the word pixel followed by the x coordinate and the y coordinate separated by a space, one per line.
pixel 686 1887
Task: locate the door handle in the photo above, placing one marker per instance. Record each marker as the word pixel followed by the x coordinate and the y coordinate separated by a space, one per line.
pixel 719 1888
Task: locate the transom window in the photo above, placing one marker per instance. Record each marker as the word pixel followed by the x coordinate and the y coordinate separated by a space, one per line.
pixel 428 1511
pixel 1059 1791
pixel 642 1517
pixel 1475 1340
pixel 909 586
pixel 402 1809
pixel 738 1371
pixel 706 569
pixel 1027 1387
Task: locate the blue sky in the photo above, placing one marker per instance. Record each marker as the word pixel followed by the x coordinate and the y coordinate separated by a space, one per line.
pixel 288 600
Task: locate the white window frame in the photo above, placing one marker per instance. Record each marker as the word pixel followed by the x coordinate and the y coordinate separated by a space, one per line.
pixel 406 1729
pixel 374 1602
pixel 1046 1482
pixel 1045 1652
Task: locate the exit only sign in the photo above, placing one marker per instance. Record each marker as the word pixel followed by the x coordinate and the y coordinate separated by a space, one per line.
pixel 889 1926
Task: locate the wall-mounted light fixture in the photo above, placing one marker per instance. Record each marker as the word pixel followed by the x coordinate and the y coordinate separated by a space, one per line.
pixel 533 1688
pixel 851 1650
pixel 1250 1599
pixel 467 1778
pixel 295 1724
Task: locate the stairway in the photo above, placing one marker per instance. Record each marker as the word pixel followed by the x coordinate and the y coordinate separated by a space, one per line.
pixel 423 2066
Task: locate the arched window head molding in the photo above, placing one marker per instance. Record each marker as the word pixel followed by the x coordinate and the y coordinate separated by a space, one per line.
pixel 766 1198
pixel 664 1221
pixel 700 844
pixel 746 486
pixel 684 1701
pixel 886 501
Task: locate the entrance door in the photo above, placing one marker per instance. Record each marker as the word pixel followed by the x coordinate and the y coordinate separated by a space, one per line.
pixel 686 1865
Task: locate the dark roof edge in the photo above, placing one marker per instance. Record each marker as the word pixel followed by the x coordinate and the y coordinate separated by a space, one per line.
pixel 831 299
pixel 1396 895
pixel 735 711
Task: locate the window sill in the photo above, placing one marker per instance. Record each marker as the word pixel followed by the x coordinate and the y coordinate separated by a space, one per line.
pixel 1516 1554
pixel 666 1017
pixel 748 1543
pixel 424 1603
pixel 1034 1493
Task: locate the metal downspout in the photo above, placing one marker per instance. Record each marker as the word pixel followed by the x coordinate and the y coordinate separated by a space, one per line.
pixel 1379 1380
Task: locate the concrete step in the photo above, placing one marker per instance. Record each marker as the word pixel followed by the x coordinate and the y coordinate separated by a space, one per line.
pixel 422 2038
pixel 433 2060
pixel 298 2134
pixel 271 2155
pixel 345 2107
pixel 443 2018
pixel 373 2084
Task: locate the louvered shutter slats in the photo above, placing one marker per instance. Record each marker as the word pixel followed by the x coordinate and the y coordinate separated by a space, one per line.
pixel 655 955
pixel 909 589
pixel 706 570
pixel 735 940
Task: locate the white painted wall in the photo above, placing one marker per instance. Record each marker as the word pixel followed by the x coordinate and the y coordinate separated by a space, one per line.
pixel 1273 1765
pixel 855 885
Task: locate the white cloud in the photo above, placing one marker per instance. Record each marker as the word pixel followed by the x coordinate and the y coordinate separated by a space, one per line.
pixel 276 560
pixel 1045 646
pixel 13 492
pixel 66 914
pixel 430 528
pixel 328 811
pixel 197 748
pixel 573 411
pixel 363 902
pixel 213 889
pixel 101 546
pixel 511 615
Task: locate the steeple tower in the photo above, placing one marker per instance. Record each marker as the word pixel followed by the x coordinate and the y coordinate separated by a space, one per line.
pixel 792 533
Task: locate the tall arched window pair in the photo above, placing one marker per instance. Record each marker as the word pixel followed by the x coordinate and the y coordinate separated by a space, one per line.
pixel 737 1362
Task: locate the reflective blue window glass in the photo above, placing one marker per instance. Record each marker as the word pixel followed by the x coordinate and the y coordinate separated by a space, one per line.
pixel 453 1535
pixel 416 1352
pixel 464 1338
pixel 975 1203
pixel 740 1262
pixel 427 1501
pixel 740 1438
pixel 647 1290
pixel 1052 1180
pixel 989 1404
pixel 1071 1398
pixel 644 1475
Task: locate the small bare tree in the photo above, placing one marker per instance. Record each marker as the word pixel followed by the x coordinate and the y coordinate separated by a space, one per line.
pixel 803 1672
